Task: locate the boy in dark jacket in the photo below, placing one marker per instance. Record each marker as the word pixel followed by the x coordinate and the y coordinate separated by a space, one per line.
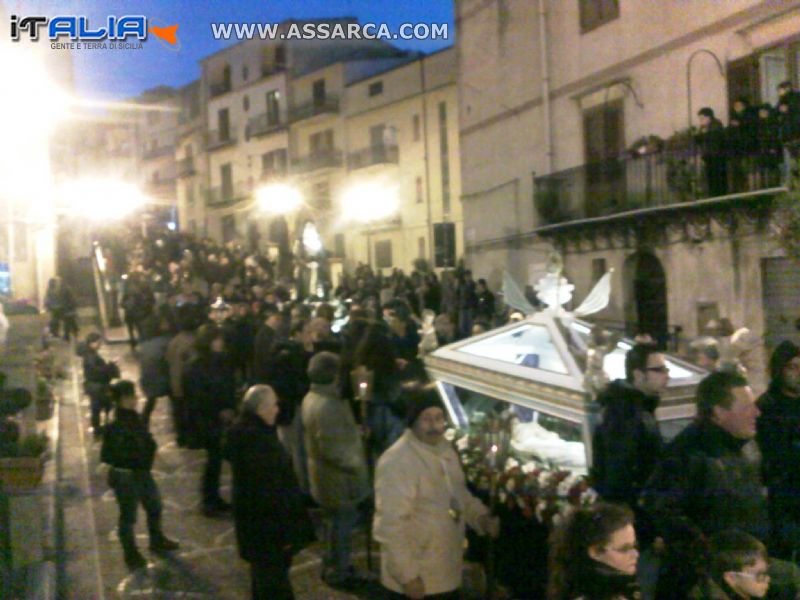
pixel 130 450
pixel 739 568
pixel 97 376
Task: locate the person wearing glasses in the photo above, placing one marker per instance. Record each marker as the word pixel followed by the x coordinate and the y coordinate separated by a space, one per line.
pixel 594 555
pixel 738 568
pixel 627 443
pixel 710 481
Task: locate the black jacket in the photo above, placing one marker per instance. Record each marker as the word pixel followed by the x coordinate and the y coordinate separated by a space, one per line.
pixel 268 507
pixel 779 441
pixel 601 582
pixel 712 141
pixel 289 379
pixel 127 444
pixel 209 387
pixel 709 481
pixel 627 444
pixel 264 348
pixel 97 373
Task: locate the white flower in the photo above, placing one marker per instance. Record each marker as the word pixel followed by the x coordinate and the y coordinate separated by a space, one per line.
pixel 511 484
pixel 511 463
pixel 545 477
pixel 589 496
pixel 462 443
pixel 501 495
pixel 529 467
pixel 565 486
pixel 450 434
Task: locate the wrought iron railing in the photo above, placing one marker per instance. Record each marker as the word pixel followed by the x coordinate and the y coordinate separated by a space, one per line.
pixel 220 138
pixel 262 124
pixel 648 180
pixel 226 194
pixel 374 155
pixel 217 89
pixel 273 173
pixel 328 104
pixel 158 152
pixel 185 167
pixel 318 160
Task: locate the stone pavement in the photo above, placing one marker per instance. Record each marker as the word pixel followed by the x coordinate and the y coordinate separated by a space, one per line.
pixel 207 565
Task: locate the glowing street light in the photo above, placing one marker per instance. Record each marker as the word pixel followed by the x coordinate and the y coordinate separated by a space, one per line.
pixel 278 198
pixel 100 199
pixel 366 202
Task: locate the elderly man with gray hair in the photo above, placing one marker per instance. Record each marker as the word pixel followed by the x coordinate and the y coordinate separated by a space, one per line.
pixel 270 517
pixel 337 467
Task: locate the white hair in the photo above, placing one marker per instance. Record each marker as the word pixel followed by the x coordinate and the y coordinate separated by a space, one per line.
pixel 255 396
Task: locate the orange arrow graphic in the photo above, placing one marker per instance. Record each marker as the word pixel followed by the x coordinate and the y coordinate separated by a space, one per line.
pixel 166 33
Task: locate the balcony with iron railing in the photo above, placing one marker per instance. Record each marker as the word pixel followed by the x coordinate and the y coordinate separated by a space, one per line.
pixel 185 167
pixel 220 138
pixel 321 159
pixel 217 89
pixel 270 69
pixel 312 108
pixel 158 152
pixel 276 172
pixel 382 154
pixel 262 125
pixel 649 180
pixel 222 195
pixel 164 186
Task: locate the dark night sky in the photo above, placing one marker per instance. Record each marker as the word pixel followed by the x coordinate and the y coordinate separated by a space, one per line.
pixel 118 74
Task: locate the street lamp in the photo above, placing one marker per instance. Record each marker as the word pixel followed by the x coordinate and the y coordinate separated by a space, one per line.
pixel 278 198
pixel 100 199
pixel 33 105
pixel 367 203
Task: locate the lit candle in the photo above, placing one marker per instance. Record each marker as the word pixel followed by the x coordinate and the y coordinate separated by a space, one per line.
pixel 493 460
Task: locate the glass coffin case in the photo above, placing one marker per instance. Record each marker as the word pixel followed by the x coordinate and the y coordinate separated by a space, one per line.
pixel 537 368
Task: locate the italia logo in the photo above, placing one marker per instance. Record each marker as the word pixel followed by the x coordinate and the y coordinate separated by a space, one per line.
pixel 78 29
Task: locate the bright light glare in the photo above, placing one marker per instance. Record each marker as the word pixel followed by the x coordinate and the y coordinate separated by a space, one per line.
pixel 278 198
pixel 31 100
pixel 311 239
pixel 369 202
pixel 100 199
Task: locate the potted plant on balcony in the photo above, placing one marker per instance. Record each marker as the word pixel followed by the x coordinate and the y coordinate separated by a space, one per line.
pixel 45 399
pixel 23 469
pixel 21 457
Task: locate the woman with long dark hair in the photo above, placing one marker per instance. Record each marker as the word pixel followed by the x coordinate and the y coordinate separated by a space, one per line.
pixel 376 355
pixel 593 555
pixel 209 387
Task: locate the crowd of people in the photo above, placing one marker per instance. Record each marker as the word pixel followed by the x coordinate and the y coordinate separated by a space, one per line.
pixel 325 404
pixel 748 153
pixel 707 528
pixel 301 395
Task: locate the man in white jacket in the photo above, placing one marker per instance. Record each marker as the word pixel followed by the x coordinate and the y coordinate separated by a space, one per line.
pixel 422 507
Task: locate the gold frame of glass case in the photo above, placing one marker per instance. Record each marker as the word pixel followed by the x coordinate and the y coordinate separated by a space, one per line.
pixel 539 363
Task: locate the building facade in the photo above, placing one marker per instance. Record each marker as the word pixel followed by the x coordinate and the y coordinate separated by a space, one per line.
pixel 324 117
pixel 573 136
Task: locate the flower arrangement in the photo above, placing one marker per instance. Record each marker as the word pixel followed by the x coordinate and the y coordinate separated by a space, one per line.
pixel 533 487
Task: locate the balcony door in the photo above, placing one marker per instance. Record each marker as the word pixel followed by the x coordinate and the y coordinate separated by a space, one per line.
pixel 318 92
pixel 226 176
pixel 273 108
pixel 604 143
pixel 224 122
pixel 321 142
